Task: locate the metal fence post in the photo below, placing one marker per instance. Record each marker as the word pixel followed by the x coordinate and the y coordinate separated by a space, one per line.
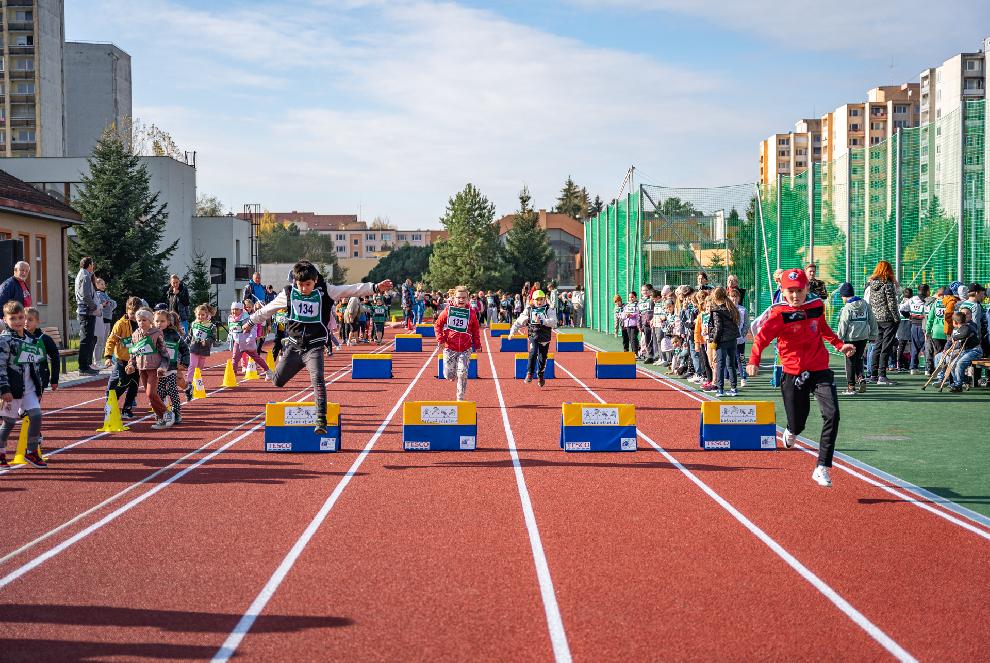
pixel 897 209
pixel 849 216
pixel 960 250
pixel 811 212
pixel 780 181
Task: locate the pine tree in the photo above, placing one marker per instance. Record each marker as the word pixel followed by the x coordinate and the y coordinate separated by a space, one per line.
pixel 123 223
pixel 596 207
pixel 472 254
pixel 198 281
pixel 527 247
pixel 572 201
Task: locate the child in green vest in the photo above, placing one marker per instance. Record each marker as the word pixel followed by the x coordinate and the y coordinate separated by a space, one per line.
pixel 178 360
pixel 20 382
pixel 202 333
pixel 379 313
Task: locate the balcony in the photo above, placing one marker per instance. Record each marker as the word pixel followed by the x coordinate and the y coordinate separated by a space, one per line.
pixel 21 50
pixel 20 26
pixel 21 74
pixel 21 98
pixel 20 3
pixel 22 122
pixel 18 146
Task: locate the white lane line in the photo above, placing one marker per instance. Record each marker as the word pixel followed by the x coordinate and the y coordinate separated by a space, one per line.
pixel 824 588
pixel 244 625
pixel 942 507
pixel 555 623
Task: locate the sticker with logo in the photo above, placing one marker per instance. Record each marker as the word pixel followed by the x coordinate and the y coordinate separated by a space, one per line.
pixel 412 445
pixel 278 446
pixel 768 442
pixel 328 444
pixel 438 414
pixel 300 415
pixel 600 416
pixel 577 446
pixel 718 444
pixel 737 414
pixel 467 442
pixel 628 444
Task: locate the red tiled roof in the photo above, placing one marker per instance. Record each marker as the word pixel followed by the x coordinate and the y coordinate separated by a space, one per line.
pixel 314 221
pixel 20 195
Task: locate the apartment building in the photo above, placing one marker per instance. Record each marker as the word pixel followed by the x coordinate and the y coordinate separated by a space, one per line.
pixel 790 153
pixel 97 93
pixel 952 149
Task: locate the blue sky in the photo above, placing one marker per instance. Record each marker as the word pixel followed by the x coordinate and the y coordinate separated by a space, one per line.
pixel 390 107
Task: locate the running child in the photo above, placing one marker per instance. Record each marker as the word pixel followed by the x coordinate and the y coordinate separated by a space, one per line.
pixel 309 302
pixel 116 357
pixel 540 319
pixel 202 334
pixel 799 325
pixel 278 323
pixel 458 334
pixel 178 352
pixel 20 383
pixel 242 339
pixel 379 313
pixel 149 360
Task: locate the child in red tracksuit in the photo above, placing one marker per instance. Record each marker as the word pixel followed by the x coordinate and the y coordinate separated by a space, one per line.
pixel 458 331
pixel 799 326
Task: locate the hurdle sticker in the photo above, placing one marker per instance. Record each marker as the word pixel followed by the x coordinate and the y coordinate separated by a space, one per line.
pixel 600 416
pixel 718 444
pixel 577 446
pixel 467 442
pixel 768 442
pixel 278 446
pixel 328 444
pixel 628 444
pixel 737 414
pixel 300 415
pixel 438 414
pixel 409 444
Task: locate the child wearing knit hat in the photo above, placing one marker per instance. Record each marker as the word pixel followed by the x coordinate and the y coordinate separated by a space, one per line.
pixel 857 326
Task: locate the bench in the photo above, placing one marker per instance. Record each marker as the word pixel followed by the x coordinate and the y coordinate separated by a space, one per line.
pixel 63 352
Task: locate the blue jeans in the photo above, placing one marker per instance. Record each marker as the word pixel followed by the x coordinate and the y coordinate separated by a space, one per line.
pixel 695 359
pixel 958 375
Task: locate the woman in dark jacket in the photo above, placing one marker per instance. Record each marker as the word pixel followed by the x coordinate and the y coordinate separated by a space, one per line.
pixel 883 294
pixel 725 331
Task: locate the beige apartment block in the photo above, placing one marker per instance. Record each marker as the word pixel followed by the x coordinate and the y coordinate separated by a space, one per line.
pixel 790 153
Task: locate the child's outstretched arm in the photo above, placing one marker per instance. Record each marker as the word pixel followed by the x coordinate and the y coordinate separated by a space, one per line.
pixel 519 322
pixel 265 312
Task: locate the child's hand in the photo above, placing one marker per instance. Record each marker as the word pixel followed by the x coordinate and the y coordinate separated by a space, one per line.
pixel 7 397
pixel 848 349
pixel 752 370
pixel 161 372
pixel 129 370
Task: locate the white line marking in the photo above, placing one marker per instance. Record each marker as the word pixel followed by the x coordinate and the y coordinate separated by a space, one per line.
pixel 842 604
pixel 923 499
pixel 555 623
pixel 243 626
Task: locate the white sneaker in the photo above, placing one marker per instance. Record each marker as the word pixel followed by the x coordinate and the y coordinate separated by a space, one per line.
pixel 851 391
pixel 789 439
pixel 742 383
pixel 270 375
pixel 169 419
pixel 822 476
pixel 731 392
pixel 159 424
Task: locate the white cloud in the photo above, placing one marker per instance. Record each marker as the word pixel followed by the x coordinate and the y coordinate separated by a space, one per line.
pixel 398 112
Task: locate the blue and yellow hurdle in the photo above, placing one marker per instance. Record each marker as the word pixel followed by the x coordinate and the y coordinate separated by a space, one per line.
pixel 439 426
pixel 598 427
pixel 371 366
pixel 289 428
pixel 738 425
pixel 497 329
pixel 517 343
pixel 472 367
pixel 408 342
pixel 615 365
pixel 426 331
pixel 522 363
pixel 570 342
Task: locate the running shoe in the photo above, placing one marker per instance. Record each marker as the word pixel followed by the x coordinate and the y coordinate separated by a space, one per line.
pixel 169 419
pixel 189 392
pixel 732 392
pixel 822 476
pixel 3 461
pixel 542 381
pixel 850 391
pixel 720 394
pixel 742 383
pixel 35 459
pixel 270 375
pixel 126 414
pixel 789 439
pixel 159 424
pixel 529 378
pixel 884 382
pixel 178 418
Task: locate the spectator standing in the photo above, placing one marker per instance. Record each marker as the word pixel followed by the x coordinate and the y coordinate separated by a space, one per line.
pixel 254 288
pixel 703 281
pixel 176 296
pixel 577 302
pixel 104 317
pixel 16 287
pixel 408 300
pixel 815 285
pixel 86 312
pixel 882 295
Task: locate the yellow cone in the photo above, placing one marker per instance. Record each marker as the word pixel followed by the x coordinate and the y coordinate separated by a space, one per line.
pixel 270 359
pixel 199 389
pixel 229 379
pixel 252 371
pixel 22 443
pixel 111 416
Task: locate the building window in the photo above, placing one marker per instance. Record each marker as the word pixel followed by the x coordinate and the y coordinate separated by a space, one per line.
pixel 402 237
pixel 40 270
pixel 24 136
pixel 369 236
pixel 386 237
pixel 340 237
pixel 876 125
pixel 854 112
pixel 341 249
pixel 24 88
pixel 854 127
pixel 23 16
pixel 355 241
pixel 24 40
pixel 973 84
pixel 237 252
pixel 900 109
pixel 24 64
pixel 355 254
pixel 972 65
pixel 370 249
pixel 417 238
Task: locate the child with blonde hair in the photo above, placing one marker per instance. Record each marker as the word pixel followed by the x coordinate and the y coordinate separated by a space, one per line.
pixel 178 352
pixel 458 333
pixel 149 359
pixel 242 339
pixel 202 333
pixel 20 383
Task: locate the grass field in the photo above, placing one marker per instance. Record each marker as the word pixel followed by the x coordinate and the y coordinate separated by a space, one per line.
pixel 935 441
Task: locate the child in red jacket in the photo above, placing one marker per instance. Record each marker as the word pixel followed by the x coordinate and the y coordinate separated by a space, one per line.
pixel 458 335
pixel 799 326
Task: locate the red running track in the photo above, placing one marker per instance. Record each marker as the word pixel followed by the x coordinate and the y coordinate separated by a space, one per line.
pixel 378 554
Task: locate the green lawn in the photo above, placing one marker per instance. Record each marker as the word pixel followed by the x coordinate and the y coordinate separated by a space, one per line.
pixel 935 441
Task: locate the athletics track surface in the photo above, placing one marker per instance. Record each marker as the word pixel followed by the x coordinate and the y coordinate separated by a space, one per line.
pixel 193 543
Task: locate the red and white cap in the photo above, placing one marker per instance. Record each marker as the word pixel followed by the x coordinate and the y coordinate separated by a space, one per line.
pixel 793 278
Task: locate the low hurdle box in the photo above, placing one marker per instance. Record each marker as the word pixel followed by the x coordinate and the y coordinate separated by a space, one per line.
pixel 439 426
pixel 497 329
pixel 522 363
pixel 472 367
pixel 368 366
pixel 514 344
pixel 570 342
pixel 426 331
pixel 738 425
pixel 615 365
pixel 598 427
pixel 289 428
pixel 408 343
